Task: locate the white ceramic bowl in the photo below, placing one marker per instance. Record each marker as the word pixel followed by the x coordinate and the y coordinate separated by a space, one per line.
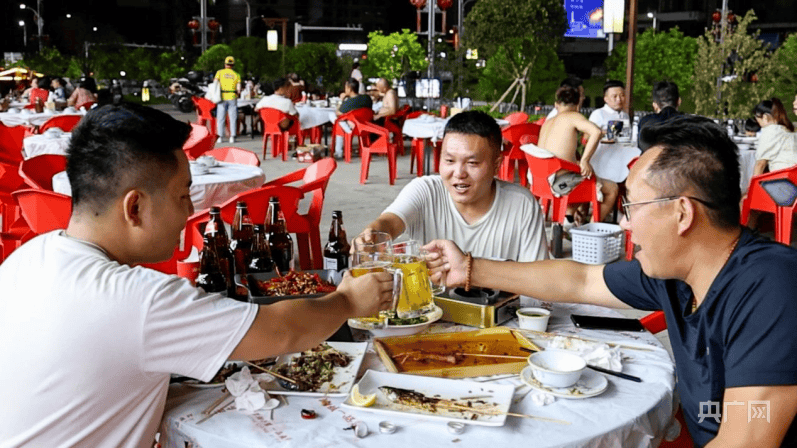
pixel 533 318
pixel 557 368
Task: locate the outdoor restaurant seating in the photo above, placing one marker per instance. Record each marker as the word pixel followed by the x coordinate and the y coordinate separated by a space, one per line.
pixel 234 155
pixel 191 237
pixel 199 141
pixel 279 137
pixel 38 172
pixel 315 179
pixel 204 113
pixel 362 115
pixel 11 143
pixel 375 139
pixel 64 122
pixel 517 118
pixel 43 210
pixel 783 204
pixel 517 135
pixel 394 123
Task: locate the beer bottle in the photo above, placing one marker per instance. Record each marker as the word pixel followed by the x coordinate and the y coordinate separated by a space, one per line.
pixel 260 259
pixel 218 235
pixel 279 240
pixel 242 236
pixel 210 277
pixel 336 252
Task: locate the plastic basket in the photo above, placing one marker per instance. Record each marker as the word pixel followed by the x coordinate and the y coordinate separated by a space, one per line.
pixel 597 243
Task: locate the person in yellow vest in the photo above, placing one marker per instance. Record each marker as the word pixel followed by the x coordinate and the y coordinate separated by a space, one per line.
pixel 230 89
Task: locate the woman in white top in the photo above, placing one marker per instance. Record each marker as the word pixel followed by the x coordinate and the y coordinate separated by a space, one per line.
pixel 777 144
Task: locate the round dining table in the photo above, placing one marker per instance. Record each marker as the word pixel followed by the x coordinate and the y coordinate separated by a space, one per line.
pixel 217 186
pixel 28 117
pixel 626 414
pixel 51 142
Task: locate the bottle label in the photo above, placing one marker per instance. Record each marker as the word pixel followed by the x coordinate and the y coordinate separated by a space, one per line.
pixel 331 263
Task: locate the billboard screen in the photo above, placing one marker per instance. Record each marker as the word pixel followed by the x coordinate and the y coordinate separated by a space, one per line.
pixel 584 18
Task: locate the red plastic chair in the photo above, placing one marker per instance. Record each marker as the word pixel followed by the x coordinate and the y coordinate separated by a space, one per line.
pixel 234 155
pixel 13 229
pixel 541 169
pixel 44 210
pixel 204 113
pixel 362 115
pixel 199 141
pixel 87 105
pixel 279 138
pixel 38 171
pixel 375 139
pixel 11 143
pixel 541 121
pixel 517 118
pixel 36 94
pixel 517 135
pixel 65 122
pixel 191 237
pixel 315 179
pixel 758 199
pixel 394 123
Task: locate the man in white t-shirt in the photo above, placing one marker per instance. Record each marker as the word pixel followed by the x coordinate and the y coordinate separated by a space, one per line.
pixel 92 338
pixel 466 203
pixel 358 75
pixel 576 83
pixel 280 100
pixel 614 97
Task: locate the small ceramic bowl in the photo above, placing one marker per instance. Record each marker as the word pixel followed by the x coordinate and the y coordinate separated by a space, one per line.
pixel 533 318
pixel 557 368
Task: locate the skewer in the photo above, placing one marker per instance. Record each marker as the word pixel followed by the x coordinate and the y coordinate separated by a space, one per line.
pixel 270 372
pixel 512 414
pixel 217 411
pixel 594 341
pixel 484 355
pixel 213 405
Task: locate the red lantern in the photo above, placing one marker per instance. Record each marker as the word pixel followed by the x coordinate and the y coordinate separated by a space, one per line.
pixel 193 24
pixel 444 4
pixel 418 3
pixel 731 17
pixel 717 16
pixel 213 25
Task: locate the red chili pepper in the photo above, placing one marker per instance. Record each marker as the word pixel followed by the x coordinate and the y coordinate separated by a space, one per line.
pixel 308 414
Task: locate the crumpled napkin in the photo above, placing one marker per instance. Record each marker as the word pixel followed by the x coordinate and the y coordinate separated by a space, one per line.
pixel 541 398
pixel 249 396
pixel 596 354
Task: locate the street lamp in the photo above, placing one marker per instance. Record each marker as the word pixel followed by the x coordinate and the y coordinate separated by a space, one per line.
pixel 24 34
pixel 39 20
pixel 652 15
pixel 248 16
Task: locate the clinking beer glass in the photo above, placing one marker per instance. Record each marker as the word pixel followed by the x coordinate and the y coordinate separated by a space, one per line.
pixel 416 295
pixel 376 255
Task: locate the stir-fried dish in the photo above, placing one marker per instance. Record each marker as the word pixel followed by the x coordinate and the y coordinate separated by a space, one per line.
pixel 314 367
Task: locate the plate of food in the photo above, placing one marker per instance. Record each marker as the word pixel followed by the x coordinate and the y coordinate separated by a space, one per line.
pixel 270 287
pixel 400 327
pixel 445 399
pixel 589 385
pixel 326 370
pixel 228 369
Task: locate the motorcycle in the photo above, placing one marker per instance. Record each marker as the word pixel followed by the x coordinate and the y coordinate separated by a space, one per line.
pixel 182 89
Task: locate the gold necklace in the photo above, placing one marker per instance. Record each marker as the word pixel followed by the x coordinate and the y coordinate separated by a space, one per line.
pixel 728 257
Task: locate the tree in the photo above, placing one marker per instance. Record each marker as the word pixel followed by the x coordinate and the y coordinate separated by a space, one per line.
pixel 317 63
pixel 660 56
pixel 738 60
pixel 394 55
pixel 213 58
pixel 532 69
pixel 783 81
pixel 491 23
pixel 252 57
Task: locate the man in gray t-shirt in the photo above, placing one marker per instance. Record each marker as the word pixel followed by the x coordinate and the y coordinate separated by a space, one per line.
pixel 465 203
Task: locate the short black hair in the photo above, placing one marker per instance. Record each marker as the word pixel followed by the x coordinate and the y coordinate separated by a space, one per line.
pixel 354 85
pixel 572 81
pixel 567 94
pixel 280 83
pixel 115 148
pixel 665 93
pixel 612 83
pixel 751 125
pixel 476 122
pixel 697 158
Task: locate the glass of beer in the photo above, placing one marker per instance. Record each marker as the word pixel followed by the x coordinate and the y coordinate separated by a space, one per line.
pixel 375 254
pixel 416 294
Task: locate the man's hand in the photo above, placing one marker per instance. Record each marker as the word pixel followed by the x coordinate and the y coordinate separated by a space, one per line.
pixel 446 263
pixel 586 169
pixel 367 294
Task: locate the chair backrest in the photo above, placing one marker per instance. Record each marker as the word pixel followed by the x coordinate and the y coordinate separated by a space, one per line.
pixel 44 210
pixel 363 114
pixel 10 180
pixel 415 114
pixel 204 108
pixel 757 196
pixel 234 155
pixel 316 178
pixel 87 105
pixel 65 122
pixel 38 93
pixel 11 143
pixel 199 141
pixel 38 171
pixel 517 118
pixel 366 129
pixel 257 202
pixel 520 134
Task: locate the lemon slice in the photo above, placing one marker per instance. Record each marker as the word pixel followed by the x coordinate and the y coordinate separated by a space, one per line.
pixel 359 399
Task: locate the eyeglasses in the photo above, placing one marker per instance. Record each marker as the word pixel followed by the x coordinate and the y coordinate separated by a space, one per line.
pixel 627 204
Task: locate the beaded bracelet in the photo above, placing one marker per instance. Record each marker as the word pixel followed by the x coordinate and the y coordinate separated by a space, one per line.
pixel 469 271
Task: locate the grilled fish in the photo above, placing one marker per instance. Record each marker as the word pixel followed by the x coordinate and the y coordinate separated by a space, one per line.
pixel 411 398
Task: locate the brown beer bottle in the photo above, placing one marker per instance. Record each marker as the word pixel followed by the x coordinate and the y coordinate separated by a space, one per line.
pixel 279 240
pixel 260 259
pixel 210 277
pixel 336 252
pixel 242 237
pixel 218 235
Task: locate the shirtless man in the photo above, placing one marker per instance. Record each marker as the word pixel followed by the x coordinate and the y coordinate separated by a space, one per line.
pixel 559 136
pixel 389 100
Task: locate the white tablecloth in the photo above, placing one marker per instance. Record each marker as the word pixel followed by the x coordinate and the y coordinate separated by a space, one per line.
pixel 425 126
pixel 31 118
pixel 746 166
pixel 219 185
pixel 36 145
pixel 627 414
pixel 310 117
pixel 610 160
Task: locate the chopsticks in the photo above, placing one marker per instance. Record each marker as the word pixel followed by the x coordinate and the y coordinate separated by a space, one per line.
pixel 622 375
pixel 594 341
pixel 512 414
pixel 270 372
pixel 483 355
pixel 217 406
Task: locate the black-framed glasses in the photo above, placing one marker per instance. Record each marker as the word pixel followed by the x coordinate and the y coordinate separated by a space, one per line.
pixel 627 204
